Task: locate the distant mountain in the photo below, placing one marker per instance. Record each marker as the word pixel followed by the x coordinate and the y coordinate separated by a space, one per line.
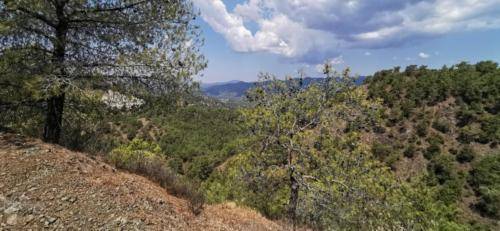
pixel 235 90
pixel 228 90
pixel 207 85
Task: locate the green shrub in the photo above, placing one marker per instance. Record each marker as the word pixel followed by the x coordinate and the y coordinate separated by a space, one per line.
pixel 451 191
pixel 410 151
pixel 381 151
pixel 144 158
pixel 466 154
pixel 485 179
pixel 432 151
pixel 422 128
pixel 135 151
pixel 490 126
pixel 435 140
pixel 441 125
pixel 176 164
pixel 468 134
pixel 442 169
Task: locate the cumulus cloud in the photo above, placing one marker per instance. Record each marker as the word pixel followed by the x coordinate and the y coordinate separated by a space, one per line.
pixel 423 55
pixel 339 60
pixel 311 30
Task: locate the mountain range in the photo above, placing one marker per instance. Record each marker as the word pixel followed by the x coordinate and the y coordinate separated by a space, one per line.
pixel 236 89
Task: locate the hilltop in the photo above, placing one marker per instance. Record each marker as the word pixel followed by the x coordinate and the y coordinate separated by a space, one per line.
pixel 47 186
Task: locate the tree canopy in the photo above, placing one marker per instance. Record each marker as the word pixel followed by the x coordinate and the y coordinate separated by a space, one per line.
pixel 54 48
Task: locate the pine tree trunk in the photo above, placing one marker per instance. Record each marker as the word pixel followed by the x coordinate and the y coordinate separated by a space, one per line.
pixel 53 120
pixel 55 104
pixel 294 199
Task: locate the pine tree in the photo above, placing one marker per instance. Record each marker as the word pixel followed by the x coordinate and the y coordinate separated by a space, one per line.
pixel 49 48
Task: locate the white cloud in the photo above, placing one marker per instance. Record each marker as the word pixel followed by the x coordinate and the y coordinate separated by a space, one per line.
pixel 320 68
pixel 308 30
pixel 423 55
pixel 368 53
pixel 337 60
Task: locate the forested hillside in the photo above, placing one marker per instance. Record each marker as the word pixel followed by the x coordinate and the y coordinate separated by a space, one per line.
pixel 412 149
pixel 415 137
pixel 444 122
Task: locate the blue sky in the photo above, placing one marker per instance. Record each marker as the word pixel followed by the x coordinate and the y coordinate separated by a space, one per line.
pixel 245 37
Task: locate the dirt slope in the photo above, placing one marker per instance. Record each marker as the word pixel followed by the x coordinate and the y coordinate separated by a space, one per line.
pixel 44 186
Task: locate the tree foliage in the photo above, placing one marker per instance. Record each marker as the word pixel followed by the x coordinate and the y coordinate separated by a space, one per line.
pixel 305 160
pixel 53 48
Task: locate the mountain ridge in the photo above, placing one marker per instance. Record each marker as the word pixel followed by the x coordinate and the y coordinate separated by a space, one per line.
pixel 236 89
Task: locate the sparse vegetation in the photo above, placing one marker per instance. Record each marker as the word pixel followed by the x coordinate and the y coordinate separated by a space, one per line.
pixel 144 158
pixel 411 149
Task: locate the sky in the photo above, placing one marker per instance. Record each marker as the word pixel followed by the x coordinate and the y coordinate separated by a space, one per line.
pixel 246 37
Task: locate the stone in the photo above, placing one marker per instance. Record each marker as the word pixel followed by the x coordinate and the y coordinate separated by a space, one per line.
pixel 50 220
pixel 12 209
pixel 12 219
pixel 29 219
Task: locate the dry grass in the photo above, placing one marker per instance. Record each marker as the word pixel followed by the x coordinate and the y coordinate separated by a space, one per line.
pixel 157 170
pixel 39 175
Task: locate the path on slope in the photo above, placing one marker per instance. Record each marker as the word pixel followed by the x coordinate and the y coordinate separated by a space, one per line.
pixel 45 186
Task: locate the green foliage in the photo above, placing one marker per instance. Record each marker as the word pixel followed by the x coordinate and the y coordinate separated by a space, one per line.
pixel 490 126
pixel 381 151
pixel 199 138
pixel 441 125
pixel 468 134
pixel 441 169
pixel 475 88
pixel 145 158
pixel 135 151
pixel 466 154
pixel 410 151
pixel 485 179
pixel 432 151
pixel 342 185
pixel 49 51
pixel 422 128
pixel 443 173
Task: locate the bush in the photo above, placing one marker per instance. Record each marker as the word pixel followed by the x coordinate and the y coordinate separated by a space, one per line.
pixel 468 134
pixel 432 151
pixel 410 151
pixel 435 140
pixel 442 169
pixel 176 164
pixel 466 154
pixel 422 128
pixel 441 125
pixel 490 126
pixel 451 190
pixel 485 180
pixel 144 158
pixel 136 151
pixel 381 151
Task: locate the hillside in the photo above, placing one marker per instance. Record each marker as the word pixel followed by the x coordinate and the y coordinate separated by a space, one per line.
pixel 445 123
pixel 47 186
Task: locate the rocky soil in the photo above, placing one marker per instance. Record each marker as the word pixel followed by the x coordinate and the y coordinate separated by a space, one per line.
pixel 46 187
